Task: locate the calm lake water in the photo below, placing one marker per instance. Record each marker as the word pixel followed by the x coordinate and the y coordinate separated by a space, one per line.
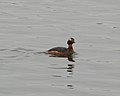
pixel 28 28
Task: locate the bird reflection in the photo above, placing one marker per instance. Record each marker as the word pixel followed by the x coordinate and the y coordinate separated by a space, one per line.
pixel 70 58
pixel 70 86
pixel 70 69
pixel 70 74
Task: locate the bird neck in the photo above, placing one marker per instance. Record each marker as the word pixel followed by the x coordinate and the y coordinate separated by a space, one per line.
pixel 70 47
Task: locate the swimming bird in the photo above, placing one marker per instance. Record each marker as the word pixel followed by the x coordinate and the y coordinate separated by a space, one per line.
pixel 63 51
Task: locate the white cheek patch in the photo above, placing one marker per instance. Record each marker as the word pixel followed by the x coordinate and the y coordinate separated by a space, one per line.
pixel 70 39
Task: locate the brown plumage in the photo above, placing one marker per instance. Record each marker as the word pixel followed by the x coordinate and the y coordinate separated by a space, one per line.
pixel 62 51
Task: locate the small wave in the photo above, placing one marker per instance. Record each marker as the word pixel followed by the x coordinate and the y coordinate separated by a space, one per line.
pixel 11 56
pixel 57 67
pixel 21 50
pixel 3 49
pixel 40 53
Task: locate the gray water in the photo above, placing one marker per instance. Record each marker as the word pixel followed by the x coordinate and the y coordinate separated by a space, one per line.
pixel 30 27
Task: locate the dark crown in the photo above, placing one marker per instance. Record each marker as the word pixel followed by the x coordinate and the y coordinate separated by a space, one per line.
pixel 71 41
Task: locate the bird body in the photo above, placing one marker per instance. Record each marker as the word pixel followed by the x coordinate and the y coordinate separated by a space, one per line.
pixel 63 51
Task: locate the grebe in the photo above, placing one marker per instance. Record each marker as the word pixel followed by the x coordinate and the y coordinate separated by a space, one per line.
pixel 62 51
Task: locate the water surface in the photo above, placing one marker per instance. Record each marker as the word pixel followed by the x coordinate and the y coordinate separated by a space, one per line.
pixel 29 27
